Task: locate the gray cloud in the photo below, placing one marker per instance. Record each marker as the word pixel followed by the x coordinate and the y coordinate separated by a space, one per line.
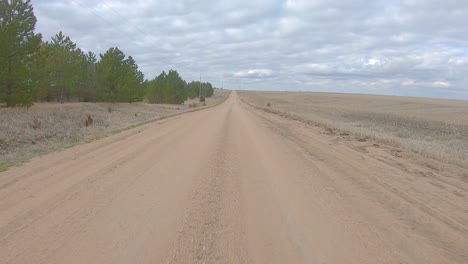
pixel 390 47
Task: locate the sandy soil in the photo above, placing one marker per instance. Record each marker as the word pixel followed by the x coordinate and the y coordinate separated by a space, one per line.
pixel 231 184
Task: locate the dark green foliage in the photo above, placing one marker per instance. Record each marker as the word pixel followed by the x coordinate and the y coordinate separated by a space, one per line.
pixel 18 43
pixel 167 88
pixel 63 67
pixel 119 79
pixel 88 84
pixel 195 89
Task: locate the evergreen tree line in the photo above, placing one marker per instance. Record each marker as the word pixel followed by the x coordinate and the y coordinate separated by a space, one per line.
pixel 58 71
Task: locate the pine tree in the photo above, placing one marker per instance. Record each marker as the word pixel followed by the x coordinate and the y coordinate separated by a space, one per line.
pixel 64 69
pixel 18 43
pixel 119 79
pixel 109 71
pixel 88 85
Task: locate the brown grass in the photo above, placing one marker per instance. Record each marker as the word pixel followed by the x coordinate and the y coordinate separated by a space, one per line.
pixel 434 128
pixel 25 133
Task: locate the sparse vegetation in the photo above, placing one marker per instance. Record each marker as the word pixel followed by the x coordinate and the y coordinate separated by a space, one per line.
pixel 431 127
pixel 62 125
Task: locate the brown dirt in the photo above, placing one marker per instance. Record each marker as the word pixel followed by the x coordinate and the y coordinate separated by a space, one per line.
pixel 232 184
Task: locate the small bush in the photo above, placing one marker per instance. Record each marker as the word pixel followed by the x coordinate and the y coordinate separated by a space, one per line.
pixel 202 98
pixel 193 105
pixel 109 109
pixel 36 124
pixel 89 120
pixel 268 104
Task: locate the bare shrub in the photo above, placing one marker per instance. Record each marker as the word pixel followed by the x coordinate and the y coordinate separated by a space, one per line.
pixel 268 104
pixel 109 109
pixel 193 105
pixel 202 98
pixel 89 120
pixel 36 123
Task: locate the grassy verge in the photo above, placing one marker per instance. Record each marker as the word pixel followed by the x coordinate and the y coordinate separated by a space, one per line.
pixel 44 128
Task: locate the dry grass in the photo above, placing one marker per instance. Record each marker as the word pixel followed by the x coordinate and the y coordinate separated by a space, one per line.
pixel 25 133
pixel 435 128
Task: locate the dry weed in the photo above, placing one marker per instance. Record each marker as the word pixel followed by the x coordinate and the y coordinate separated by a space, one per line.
pixel 36 123
pixel 89 120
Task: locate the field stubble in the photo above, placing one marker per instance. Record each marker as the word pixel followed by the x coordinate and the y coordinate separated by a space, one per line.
pixel 434 128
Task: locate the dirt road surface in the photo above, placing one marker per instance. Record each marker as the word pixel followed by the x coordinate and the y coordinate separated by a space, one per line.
pixel 230 184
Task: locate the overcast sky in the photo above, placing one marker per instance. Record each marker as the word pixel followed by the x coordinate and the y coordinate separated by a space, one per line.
pixel 407 47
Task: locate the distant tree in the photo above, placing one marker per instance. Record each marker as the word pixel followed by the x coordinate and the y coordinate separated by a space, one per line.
pixel 134 79
pixel 167 88
pixel 175 85
pixel 18 43
pixel 154 89
pixel 119 79
pixel 110 70
pixel 195 89
pixel 88 83
pixel 64 69
pixel 207 89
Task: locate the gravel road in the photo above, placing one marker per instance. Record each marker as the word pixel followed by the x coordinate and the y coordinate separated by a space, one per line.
pixel 231 184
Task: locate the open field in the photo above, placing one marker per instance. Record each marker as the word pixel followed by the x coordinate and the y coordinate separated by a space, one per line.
pixel 435 128
pixel 232 184
pixel 25 133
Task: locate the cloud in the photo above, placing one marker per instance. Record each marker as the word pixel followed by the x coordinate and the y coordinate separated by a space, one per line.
pixel 259 73
pixel 441 84
pixel 317 45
